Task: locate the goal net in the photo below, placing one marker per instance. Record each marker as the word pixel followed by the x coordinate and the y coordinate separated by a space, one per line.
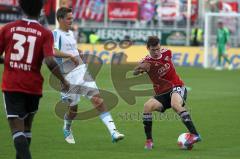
pixel 230 21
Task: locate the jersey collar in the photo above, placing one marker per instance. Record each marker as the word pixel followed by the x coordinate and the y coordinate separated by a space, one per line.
pixel 30 20
pixel 160 56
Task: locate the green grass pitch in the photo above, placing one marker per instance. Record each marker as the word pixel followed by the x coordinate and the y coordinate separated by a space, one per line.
pixel 214 102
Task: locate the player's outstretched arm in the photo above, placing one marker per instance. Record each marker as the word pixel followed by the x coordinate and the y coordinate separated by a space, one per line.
pixel 137 71
pixel 142 67
pixel 54 68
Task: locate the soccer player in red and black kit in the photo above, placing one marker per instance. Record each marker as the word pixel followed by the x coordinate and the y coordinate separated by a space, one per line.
pixel 25 44
pixel 169 89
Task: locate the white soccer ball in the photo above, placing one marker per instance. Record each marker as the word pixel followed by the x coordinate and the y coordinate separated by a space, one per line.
pixel 182 139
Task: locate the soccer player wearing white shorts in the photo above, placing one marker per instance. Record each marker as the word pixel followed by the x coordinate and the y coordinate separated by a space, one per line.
pixel 66 48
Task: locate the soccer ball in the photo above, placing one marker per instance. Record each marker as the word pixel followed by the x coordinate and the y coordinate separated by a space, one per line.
pixel 182 139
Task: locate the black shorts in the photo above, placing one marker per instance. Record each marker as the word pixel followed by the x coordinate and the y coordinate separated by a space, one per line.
pixel 165 98
pixel 19 105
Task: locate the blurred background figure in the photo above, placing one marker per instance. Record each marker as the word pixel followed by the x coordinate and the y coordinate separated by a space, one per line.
pixel 222 44
pixel 93 39
pixel 196 36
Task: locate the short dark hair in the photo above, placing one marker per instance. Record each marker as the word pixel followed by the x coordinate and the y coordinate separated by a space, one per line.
pixel 31 7
pixel 152 41
pixel 62 12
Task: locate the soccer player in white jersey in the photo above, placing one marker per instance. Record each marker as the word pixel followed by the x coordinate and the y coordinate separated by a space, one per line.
pixel 66 48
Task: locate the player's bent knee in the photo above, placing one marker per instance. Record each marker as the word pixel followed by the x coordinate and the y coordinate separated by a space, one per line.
pixel 72 112
pixel 177 107
pixel 97 101
pixel 148 107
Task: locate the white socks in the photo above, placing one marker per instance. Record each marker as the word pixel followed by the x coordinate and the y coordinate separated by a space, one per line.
pixel 108 121
pixel 67 122
pixel 105 117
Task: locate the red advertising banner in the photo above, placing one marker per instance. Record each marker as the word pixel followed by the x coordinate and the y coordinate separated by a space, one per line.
pixel 169 10
pixel 228 6
pixel 123 10
pixel 176 10
pixel 230 22
pixel 88 9
pixel 9 2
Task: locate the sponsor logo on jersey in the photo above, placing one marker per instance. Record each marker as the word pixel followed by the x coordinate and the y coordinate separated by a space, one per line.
pixel 164 69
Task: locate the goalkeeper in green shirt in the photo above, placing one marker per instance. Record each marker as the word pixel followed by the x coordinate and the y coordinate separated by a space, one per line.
pixel 222 42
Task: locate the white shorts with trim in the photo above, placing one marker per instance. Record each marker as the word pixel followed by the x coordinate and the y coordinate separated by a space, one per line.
pixel 82 84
